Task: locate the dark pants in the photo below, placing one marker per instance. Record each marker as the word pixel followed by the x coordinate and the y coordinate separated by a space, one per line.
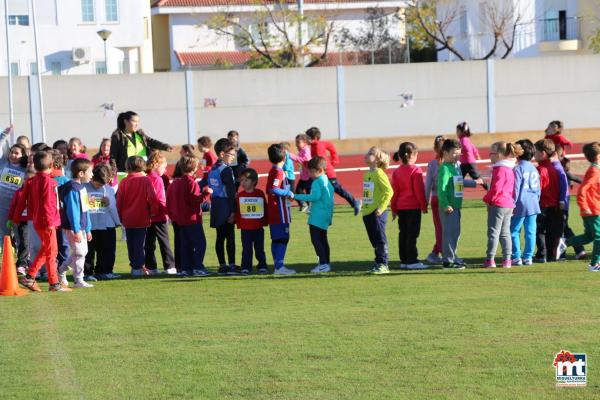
pixel 376 231
pixel 340 191
pixel 469 169
pixel 568 232
pixel 318 237
pixel 550 227
pixel 303 187
pixel 136 238
pixel 193 247
pixel 160 231
pixel 409 223
pixel 177 245
pixel 63 247
pixel 225 232
pixel 22 245
pixel 253 240
pixel 103 250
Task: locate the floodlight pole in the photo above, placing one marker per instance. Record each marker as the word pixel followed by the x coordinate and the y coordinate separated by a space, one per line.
pixel 39 69
pixel 11 114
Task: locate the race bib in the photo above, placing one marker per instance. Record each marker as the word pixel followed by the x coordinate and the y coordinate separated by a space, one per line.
pixel 11 178
pixel 459 186
pixel 85 201
pixel 368 191
pixel 98 205
pixel 252 207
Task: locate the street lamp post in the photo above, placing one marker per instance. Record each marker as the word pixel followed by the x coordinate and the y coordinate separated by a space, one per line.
pixel 11 114
pixel 104 35
pixel 451 41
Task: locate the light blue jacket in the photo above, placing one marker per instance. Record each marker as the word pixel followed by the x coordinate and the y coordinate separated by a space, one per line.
pixel 321 199
pixel 288 167
pixel 527 190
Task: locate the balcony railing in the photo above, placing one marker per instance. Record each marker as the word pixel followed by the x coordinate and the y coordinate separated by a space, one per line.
pixel 556 29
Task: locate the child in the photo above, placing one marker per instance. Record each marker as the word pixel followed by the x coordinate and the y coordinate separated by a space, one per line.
pixel 63 148
pixel 222 210
pixel 568 233
pixel 76 150
pixel 278 209
pixel 288 166
pixel 500 201
pixel 187 150
pixel 136 204
pixel 563 203
pixel 24 141
pixel 321 213
pixel 303 157
pixel 432 198
pixel 408 202
pixel 377 193
pixel 40 198
pixel 103 157
pixel 58 162
pixel 104 219
pixel 588 199
pixel 450 184
pixel 250 219
pixel 184 199
pixel 470 154
pixel 554 133
pixel 75 221
pixel 527 204
pixel 13 163
pixel 209 158
pixel 550 224
pixel 158 230
pixel 320 148
pixel 19 227
pixel 241 161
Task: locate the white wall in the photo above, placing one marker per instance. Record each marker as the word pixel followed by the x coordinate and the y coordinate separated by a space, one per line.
pixel 60 29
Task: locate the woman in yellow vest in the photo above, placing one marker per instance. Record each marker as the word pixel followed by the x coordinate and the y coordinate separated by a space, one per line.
pixel 128 140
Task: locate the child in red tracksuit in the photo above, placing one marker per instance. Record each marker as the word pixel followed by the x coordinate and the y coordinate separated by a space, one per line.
pixel 136 204
pixel 41 199
pixel 408 202
pixel 320 148
pixel 184 200
pixel 550 223
pixel 251 217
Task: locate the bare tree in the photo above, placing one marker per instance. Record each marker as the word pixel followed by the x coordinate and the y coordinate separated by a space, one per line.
pixel 268 34
pixel 500 21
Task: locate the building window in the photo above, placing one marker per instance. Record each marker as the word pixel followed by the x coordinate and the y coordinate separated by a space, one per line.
pixel 14 69
pixel 87 11
pixel 100 67
pixel 18 20
pixel 112 13
pixel 55 68
pixel 33 68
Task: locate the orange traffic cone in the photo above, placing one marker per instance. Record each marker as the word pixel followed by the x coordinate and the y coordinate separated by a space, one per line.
pixel 9 286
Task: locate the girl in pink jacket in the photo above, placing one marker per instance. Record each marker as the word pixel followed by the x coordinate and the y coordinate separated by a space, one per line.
pixel 499 199
pixel 469 154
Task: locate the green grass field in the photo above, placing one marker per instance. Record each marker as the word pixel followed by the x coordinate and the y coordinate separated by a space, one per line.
pixel 431 334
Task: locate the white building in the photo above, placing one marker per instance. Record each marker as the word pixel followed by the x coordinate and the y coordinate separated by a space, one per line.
pixel 68 39
pixel 182 39
pixel 547 27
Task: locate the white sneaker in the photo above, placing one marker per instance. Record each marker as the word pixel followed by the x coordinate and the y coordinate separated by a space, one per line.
pixel 172 271
pixel 418 265
pixel 284 271
pixel 594 268
pixel 562 246
pixel 402 266
pixel 82 285
pixel 434 258
pixel 154 272
pixel 22 271
pixel 321 268
pixel 62 277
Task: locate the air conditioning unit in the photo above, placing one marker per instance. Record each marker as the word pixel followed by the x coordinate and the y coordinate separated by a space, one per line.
pixel 82 55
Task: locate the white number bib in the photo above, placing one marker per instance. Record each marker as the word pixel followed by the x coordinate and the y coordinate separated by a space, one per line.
pixel 368 192
pixel 459 186
pixel 85 201
pixel 252 207
pixel 98 205
pixel 11 178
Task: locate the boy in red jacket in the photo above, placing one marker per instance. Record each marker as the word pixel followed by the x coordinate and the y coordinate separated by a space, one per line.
pixel 184 201
pixel 41 199
pixel 550 223
pixel 251 217
pixel 320 148
pixel 136 204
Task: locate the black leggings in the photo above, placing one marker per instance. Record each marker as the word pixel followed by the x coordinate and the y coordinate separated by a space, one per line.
pixel 318 237
pixel 225 232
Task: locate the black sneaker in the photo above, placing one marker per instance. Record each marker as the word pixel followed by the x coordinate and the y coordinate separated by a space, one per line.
pixel 453 265
pixel 539 260
pixel 223 270
pixel 245 271
pixel 263 270
pixel 486 186
pixel 234 270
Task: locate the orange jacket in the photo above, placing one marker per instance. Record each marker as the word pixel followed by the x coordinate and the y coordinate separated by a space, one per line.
pixel 588 195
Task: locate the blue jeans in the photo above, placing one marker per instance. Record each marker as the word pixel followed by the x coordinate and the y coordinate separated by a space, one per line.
pixel 193 247
pixel 530 226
